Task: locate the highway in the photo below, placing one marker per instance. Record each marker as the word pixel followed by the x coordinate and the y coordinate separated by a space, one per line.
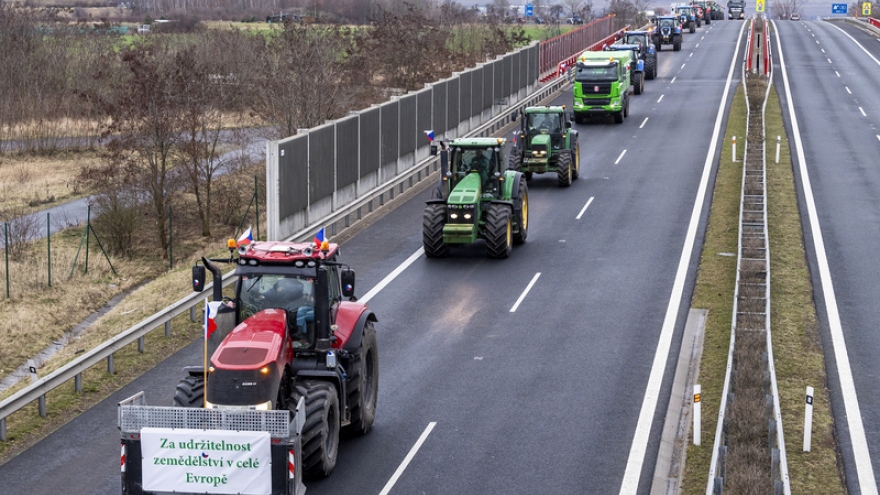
pixel 491 387
pixel 833 71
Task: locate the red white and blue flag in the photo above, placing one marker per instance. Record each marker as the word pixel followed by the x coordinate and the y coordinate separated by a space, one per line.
pixel 430 135
pixel 246 238
pixel 211 309
pixel 319 238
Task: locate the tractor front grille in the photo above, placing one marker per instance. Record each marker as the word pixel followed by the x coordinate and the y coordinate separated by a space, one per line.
pixel 597 102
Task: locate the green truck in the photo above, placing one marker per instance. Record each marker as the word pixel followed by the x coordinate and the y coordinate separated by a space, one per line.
pixel 601 85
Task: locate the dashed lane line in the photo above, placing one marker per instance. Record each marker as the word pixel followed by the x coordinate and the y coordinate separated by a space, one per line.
pixel 409 457
pixel 584 209
pixel 644 122
pixel 525 292
pixel 620 157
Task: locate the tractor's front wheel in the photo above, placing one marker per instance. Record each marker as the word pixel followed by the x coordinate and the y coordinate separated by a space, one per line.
pixel 576 161
pixel 676 44
pixel 499 231
pixel 432 231
pixel 638 83
pixel 522 213
pixel 190 392
pixel 563 172
pixel 320 434
pixel 363 384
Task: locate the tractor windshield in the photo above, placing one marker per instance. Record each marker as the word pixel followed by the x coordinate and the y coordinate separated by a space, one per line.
pixel 636 39
pixel 596 73
pixel 544 122
pixel 466 160
pixel 294 294
pixel 667 23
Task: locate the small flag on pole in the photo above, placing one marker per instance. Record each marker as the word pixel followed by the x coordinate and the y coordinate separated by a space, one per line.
pixel 246 238
pixel 211 309
pixel 430 135
pixel 319 238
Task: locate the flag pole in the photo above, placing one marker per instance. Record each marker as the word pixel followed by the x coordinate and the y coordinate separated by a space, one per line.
pixel 205 359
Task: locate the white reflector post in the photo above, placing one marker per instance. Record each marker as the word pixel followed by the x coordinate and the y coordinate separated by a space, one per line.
pixel 697 422
pixel 808 420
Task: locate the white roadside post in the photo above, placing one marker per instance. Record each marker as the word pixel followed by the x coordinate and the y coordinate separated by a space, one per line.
pixel 808 420
pixel 734 148
pixel 778 142
pixel 697 425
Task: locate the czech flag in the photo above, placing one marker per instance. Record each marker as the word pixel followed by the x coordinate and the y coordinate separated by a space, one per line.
pixel 211 309
pixel 430 135
pixel 319 238
pixel 246 238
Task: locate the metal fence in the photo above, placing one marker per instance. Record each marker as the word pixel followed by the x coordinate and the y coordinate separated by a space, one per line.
pixel 564 46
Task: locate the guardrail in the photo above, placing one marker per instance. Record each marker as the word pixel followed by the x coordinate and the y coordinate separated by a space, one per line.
pixel 73 371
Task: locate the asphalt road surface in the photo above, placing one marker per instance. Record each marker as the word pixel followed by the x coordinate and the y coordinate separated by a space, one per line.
pixel 511 390
pixel 833 71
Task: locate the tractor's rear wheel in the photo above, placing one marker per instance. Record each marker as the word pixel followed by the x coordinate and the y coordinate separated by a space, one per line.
pixel 515 160
pixel 499 231
pixel 522 213
pixel 320 434
pixel 563 172
pixel 432 231
pixel 576 161
pixel 650 67
pixel 638 83
pixel 190 392
pixel 363 384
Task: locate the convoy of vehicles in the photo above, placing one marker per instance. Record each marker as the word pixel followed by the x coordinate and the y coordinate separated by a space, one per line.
pixel 647 52
pixel 636 65
pixel 688 19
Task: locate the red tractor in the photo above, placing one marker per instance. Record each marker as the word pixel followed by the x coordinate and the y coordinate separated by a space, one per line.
pixel 288 334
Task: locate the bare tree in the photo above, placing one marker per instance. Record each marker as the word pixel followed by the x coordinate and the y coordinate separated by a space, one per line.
pixel 574 7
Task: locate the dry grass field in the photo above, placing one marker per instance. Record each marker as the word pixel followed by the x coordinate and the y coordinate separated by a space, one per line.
pixel 32 183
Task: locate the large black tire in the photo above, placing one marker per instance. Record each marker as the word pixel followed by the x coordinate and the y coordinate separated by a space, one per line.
pixel 563 170
pixel 432 231
pixel 190 392
pixel 699 22
pixel 650 67
pixel 708 19
pixel 528 175
pixel 576 159
pixel 363 384
pixel 676 45
pixel 320 434
pixel 638 82
pixel 578 118
pixel 515 160
pixel 659 46
pixel 521 213
pixel 692 27
pixel 618 117
pixel 499 231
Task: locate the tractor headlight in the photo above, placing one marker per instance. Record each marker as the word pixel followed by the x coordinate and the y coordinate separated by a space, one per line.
pixel 467 216
pixel 453 215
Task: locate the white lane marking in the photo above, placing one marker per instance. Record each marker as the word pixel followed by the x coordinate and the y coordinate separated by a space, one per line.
pixel 860 45
pixel 838 73
pixel 863 112
pixel 823 50
pixel 409 457
pixel 697 45
pixel 660 99
pixel 689 56
pixel 861 454
pixel 391 276
pixel 847 89
pixel 672 81
pixel 620 157
pixel 525 292
pixel 817 42
pixel 829 61
pixel 644 122
pixel 636 460
pixel 878 135
pixel 682 66
pixel 589 201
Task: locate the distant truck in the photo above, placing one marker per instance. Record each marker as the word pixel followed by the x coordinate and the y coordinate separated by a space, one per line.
pixel 736 9
pixel 601 85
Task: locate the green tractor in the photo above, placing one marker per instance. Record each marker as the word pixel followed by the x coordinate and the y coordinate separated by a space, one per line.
pixel 546 143
pixel 477 198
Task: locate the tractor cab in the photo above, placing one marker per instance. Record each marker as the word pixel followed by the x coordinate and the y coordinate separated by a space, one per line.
pixel 475 166
pixel 543 130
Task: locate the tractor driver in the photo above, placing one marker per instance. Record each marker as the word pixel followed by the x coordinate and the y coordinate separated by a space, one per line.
pixel 290 295
pixel 480 163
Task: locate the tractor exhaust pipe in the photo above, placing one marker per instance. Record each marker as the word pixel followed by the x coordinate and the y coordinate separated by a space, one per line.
pixel 217 277
pixel 322 310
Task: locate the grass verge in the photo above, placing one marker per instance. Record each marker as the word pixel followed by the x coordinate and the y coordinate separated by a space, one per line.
pixel 796 341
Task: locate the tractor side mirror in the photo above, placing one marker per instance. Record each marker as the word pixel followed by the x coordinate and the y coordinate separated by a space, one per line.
pixel 198 278
pixel 433 149
pixel 513 117
pixel 347 277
